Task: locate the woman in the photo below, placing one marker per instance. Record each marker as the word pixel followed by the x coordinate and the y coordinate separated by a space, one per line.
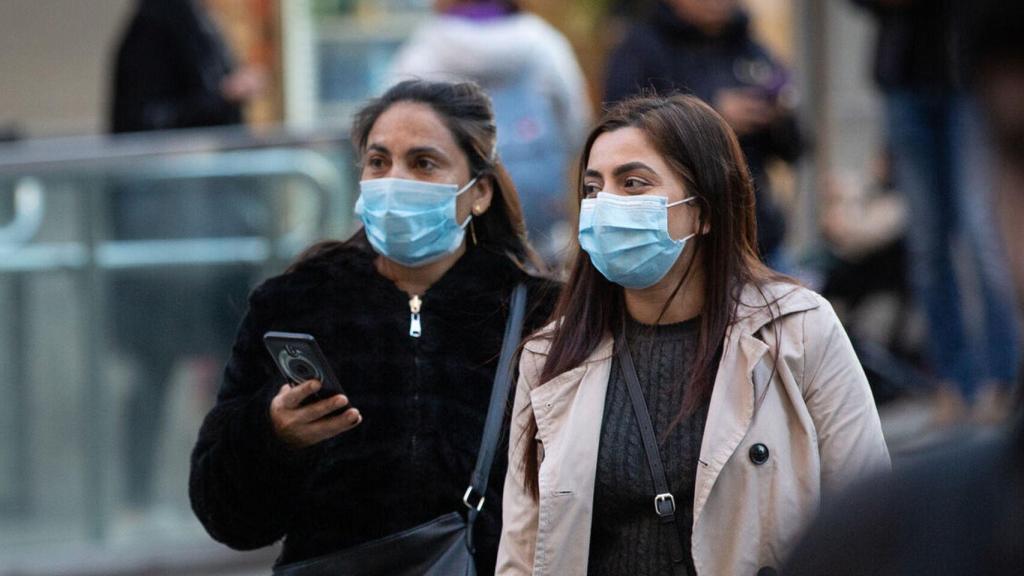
pixel 411 313
pixel 758 404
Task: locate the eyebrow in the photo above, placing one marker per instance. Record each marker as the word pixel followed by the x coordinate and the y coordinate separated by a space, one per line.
pixel 426 150
pixel 630 167
pixel 411 152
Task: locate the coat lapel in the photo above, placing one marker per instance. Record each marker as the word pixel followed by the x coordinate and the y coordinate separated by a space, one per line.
pixel 744 373
pixel 569 410
pixel 729 413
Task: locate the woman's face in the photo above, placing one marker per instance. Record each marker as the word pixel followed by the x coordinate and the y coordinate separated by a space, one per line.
pixel 410 141
pixel 623 162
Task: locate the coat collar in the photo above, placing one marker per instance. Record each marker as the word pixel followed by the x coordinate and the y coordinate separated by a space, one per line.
pixel 758 306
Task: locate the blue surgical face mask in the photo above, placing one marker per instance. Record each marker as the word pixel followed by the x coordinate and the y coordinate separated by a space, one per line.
pixel 627 237
pixel 409 221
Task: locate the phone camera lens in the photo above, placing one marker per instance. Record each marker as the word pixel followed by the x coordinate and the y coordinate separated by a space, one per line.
pixel 302 370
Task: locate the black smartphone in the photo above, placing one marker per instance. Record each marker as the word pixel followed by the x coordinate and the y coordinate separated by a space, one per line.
pixel 299 358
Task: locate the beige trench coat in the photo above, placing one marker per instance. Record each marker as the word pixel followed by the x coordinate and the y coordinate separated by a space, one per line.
pixel 815 413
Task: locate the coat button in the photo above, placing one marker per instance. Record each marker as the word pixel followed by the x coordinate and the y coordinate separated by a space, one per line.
pixel 758 453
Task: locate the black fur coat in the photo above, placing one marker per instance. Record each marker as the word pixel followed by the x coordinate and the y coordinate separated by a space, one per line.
pixel 423 401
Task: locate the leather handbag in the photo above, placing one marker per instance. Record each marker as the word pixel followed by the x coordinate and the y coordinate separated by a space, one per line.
pixel 443 546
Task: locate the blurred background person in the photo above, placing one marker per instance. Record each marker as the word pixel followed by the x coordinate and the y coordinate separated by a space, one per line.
pixel 862 219
pixel 540 96
pixel 705 47
pixel 939 162
pixel 174 70
pixel 960 511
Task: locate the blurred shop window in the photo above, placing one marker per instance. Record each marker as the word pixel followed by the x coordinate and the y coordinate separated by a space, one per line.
pixel 337 53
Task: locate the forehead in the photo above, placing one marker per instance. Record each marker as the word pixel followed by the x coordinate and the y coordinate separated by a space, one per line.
pixel 620 146
pixel 411 124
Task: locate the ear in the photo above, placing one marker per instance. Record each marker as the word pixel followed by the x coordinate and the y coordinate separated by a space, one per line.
pixel 482 194
pixel 706 227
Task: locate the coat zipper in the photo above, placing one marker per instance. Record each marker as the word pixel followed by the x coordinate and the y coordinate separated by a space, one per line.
pixel 414 316
pixel 415 330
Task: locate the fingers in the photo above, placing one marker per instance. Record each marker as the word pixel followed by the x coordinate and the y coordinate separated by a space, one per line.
pixel 318 410
pixel 302 426
pixel 331 427
pixel 294 395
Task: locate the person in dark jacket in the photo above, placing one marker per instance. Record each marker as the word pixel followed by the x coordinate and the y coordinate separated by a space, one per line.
pixel 172 70
pixel 706 48
pixel 410 312
pixel 939 160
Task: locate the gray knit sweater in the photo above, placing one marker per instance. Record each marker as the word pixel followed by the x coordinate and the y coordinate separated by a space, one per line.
pixel 626 537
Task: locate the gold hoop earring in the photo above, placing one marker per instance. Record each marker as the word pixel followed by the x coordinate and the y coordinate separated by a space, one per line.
pixel 472 232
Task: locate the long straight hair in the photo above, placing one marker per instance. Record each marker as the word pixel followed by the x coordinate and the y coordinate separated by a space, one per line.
pixel 702 149
pixel 467 112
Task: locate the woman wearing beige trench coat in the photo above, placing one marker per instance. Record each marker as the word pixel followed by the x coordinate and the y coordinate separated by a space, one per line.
pixel 760 406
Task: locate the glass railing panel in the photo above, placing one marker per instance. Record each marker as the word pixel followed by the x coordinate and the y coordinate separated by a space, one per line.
pixel 122 281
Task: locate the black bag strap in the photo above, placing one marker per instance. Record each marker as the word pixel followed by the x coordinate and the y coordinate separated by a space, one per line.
pixel 664 502
pixel 474 497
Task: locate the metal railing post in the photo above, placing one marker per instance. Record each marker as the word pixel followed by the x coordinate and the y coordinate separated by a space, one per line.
pixel 94 390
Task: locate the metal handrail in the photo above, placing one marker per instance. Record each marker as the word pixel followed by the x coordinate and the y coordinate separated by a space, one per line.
pixel 75 152
pixel 18 256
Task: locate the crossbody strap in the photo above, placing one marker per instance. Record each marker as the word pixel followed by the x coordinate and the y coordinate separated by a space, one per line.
pixel 664 502
pixel 475 493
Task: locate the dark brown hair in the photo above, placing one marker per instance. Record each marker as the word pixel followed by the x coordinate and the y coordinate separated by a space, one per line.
pixel 466 110
pixel 702 149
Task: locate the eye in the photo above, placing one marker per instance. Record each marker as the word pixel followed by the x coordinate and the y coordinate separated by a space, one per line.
pixel 590 189
pixel 376 162
pixel 425 164
pixel 634 182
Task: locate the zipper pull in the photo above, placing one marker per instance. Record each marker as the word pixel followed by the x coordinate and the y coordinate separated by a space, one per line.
pixel 414 318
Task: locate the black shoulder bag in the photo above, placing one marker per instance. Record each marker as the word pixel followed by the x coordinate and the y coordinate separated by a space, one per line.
pixel 664 502
pixel 443 546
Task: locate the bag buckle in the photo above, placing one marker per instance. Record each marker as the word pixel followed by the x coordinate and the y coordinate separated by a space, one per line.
pixel 664 505
pixel 479 504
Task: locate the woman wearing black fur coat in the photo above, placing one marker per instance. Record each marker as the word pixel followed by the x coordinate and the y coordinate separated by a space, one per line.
pixel 411 313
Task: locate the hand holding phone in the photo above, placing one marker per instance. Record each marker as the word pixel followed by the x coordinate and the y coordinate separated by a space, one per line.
pixel 300 424
pixel 312 407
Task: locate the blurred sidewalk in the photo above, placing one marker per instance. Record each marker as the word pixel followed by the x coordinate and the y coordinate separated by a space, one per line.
pixel 191 558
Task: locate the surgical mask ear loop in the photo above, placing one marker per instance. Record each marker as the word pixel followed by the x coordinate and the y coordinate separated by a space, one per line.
pixel 467 186
pixel 683 201
pixel 469 219
pixel 677 203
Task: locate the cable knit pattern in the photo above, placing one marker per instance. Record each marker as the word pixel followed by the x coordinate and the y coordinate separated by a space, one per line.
pixel 626 535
